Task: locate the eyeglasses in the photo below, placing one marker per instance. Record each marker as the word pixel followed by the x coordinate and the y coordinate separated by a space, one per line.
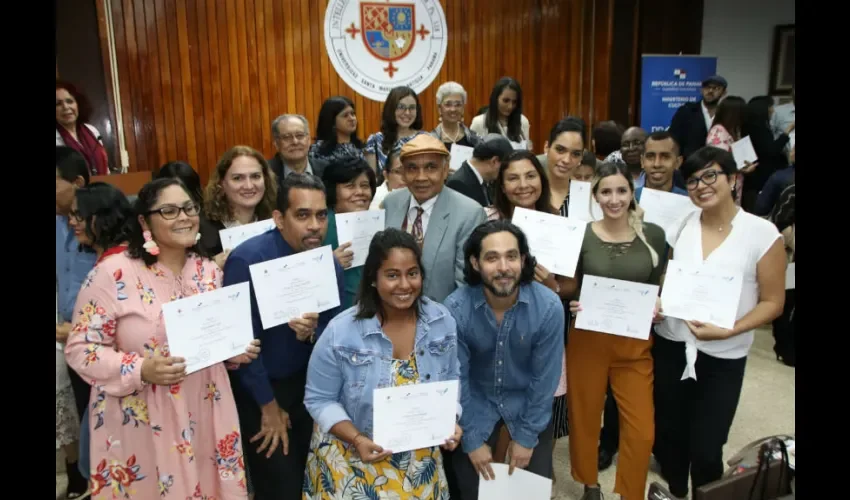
pixel 171 212
pixel 707 178
pixel 293 137
pixel 402 108
pixel 74 214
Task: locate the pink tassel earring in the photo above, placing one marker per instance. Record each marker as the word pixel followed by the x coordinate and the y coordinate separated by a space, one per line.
pixel 150 245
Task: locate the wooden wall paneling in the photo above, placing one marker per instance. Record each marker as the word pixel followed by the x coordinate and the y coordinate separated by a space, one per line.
pixel 622 53
pixel 198 77
pixel 110 128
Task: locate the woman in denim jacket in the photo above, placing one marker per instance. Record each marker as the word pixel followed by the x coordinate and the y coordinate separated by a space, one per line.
pixel 393 336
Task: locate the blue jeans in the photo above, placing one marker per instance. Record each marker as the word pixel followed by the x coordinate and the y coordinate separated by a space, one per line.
pixel 83 461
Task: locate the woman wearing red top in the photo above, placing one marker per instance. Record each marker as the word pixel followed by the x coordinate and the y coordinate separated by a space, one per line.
pixel 74 131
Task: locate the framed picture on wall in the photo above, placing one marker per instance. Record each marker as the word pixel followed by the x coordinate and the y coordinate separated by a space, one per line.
pixel 782 67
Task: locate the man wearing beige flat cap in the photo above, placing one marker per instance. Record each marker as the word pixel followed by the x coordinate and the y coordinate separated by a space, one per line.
pixel 440 218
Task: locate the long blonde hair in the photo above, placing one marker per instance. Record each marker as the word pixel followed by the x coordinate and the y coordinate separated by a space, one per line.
pixel 635 218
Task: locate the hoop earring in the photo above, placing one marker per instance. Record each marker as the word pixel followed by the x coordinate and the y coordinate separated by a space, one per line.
pixel 150 245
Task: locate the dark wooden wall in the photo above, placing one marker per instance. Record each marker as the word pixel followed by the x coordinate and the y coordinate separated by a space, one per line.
pixel 197 77
pixel 80 60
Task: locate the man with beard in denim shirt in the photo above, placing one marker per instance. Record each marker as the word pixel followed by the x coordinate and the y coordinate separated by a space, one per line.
pixel 510 346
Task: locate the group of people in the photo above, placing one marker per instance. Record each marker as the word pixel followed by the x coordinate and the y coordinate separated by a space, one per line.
pixel 450 290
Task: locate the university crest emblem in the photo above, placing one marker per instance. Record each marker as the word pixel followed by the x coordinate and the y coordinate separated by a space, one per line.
pixel 375 46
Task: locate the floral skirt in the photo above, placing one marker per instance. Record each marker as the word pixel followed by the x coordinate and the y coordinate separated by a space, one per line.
pixel 334 470
pixel 67 420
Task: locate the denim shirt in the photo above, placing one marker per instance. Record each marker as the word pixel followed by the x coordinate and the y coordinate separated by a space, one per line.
pixel 508 371
pixel 72 267
pixel 353 357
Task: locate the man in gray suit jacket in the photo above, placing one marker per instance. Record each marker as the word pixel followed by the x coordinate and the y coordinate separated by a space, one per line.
pixel 440 218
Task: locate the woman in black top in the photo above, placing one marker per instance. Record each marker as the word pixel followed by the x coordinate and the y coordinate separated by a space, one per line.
pixel 770 150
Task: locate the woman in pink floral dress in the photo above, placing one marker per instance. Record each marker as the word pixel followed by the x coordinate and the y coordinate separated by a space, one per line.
pixel 155 432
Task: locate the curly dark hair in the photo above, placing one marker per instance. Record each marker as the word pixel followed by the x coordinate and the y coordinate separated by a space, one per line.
pixel 146 199
pixel 472 248
pixel 107 214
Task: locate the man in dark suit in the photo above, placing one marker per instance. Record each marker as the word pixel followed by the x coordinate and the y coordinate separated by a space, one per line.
pixel 690 125
pixel 291 136
pixel 473 177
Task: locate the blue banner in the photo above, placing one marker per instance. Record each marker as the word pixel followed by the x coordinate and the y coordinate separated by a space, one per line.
pixel 667 82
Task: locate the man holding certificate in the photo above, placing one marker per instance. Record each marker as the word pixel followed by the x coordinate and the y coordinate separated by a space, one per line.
pixel 510 348
pixel 270 392
pixel 620 267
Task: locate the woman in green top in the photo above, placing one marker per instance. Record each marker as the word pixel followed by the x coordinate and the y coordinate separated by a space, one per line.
pixel 620 246
pixel 350 184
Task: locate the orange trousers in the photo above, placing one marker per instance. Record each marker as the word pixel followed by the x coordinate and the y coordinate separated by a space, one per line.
pixel 592 358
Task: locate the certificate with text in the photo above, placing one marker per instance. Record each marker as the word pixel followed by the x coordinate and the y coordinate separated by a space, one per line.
pixel 210 327
pixel 618 307
pixel 232 237
pixel 459 154
pixel 521 485
pixel 701 292
pixel 358 228
pixel 290 286
pixel 553 240
pixel 412 417
pixel 582 204
pixel 665 209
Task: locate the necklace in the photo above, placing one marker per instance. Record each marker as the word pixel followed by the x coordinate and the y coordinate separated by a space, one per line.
pixel 452 139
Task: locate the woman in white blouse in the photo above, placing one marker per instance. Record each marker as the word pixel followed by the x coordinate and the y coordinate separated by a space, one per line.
pixel 504 115
pixel 699 367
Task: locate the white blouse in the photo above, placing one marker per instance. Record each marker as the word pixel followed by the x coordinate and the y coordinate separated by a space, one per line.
pixel 749 239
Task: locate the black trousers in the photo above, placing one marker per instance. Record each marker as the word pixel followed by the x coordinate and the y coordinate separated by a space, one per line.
pixel 784 330
pixel 540 463
pixel 609 438
pixel 693 417
pixel 82 392
pixel 279 477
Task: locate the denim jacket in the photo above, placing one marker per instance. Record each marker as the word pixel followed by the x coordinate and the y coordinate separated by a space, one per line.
pixel 353 357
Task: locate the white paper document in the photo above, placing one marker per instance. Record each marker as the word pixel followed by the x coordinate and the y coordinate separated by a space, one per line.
pixel 618 307
pixel 358 228
pixel 210 327
pixel 411 417
pixel 791 276
pixel 743 151
pixel 519 146
pixel 521 485
pixel 582 205
pixel 459 154
pixel 701 292
pixel 290 286
pixel 234 236
pixel 554 241
pixel 665 209
pixel 792 139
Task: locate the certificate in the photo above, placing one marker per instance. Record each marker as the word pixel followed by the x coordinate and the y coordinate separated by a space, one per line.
pixel 743 151
pixel 582 205
pixel 459 154
pixel 519 485
pixel 290 286
pixel 519 146
pixel 359 228
pixel 411 417
pixel 701 292
pixel 234 236
pixel 665 209
pixel 553 240
pixel 618 307
pixel 210 327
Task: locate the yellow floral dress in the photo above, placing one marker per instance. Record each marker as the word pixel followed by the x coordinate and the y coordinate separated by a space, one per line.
pixel 334 470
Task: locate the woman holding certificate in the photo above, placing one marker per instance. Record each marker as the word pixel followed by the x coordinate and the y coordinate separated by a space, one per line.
pixel 242 189
pixel 393 337
pixel 619 247
pixel 154 430
pixel 350 184
pixel 699 367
